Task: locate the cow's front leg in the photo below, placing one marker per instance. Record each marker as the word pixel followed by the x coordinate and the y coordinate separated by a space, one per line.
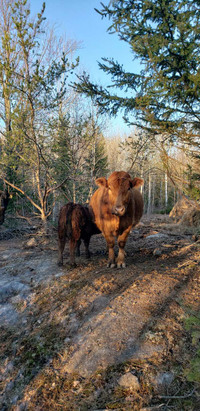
pixel 121 254
pixel 111 255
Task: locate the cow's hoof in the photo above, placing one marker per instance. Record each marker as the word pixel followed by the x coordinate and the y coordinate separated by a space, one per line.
pixel 121 265
pixel 111 265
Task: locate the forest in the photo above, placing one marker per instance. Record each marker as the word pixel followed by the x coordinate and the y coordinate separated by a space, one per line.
pixel 96 336
pixel 53 144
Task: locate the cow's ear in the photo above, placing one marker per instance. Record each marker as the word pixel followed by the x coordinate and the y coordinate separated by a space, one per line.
pixel 137 182
pixel 101 181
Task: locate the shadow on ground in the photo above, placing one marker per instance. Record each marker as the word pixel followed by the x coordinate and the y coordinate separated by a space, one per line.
pixel 75 332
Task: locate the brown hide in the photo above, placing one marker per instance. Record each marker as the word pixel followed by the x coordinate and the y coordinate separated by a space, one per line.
pixel 75 223
pixel 117 206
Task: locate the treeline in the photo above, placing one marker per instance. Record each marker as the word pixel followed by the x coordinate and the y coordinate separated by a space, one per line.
pixel 168 170
pixel 52 142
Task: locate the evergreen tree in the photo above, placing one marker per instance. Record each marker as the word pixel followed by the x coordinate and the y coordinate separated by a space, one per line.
pixel 37 88
pixel 164 97
pixel 80 157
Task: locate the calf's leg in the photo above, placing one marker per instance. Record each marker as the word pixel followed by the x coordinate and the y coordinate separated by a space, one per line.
pixel 86 244
pixel 78 253
pixel 72 248
pixel 61 246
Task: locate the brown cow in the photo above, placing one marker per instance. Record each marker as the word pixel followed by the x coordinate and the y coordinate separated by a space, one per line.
pixel 117 206
pixel 75 223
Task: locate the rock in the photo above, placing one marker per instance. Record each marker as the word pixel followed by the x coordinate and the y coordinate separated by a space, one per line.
pixel 10 366
pixel 157 236
pixel 157 252
pixel 129 380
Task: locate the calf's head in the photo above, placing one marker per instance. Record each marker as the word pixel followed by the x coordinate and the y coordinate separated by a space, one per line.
pixel 118 190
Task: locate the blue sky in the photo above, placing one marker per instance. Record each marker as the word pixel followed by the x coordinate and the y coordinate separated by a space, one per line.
pixel 77 19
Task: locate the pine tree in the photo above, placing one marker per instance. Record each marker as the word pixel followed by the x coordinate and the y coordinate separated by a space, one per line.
pixel 164 97
pixel 80 157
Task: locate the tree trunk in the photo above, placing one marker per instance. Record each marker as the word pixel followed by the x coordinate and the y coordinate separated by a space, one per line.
pixel 166 191
pixel 161 194
pixel 149 196
pixel 141 174
pixel 153 195
pixel 74 193
pixel 44 222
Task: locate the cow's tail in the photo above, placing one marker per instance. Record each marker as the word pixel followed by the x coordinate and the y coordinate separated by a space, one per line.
pixel 65 221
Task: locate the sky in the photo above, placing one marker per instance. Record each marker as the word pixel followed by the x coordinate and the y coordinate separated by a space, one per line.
pixel 77 20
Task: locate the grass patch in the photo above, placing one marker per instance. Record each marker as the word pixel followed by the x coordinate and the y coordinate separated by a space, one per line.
pixel 192 325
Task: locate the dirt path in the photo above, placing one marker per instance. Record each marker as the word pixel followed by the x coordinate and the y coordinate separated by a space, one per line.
pixel 69 335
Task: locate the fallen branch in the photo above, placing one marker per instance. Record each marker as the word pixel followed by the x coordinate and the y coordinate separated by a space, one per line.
pixel 176 397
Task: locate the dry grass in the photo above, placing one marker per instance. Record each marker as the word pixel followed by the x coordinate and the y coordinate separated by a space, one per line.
pixel 162 287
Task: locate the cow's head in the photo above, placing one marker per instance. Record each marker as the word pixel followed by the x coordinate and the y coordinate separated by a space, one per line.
pixel 118 188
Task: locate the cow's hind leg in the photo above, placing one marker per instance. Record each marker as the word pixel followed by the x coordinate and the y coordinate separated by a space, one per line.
pixel 61 246
pixel 86 244
pixel 78 253
pixel 72 248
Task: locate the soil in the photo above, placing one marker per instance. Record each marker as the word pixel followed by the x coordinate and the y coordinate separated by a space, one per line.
pixel 69 335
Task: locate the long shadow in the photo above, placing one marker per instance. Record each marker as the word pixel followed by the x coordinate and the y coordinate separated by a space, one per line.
pixel 157 312
pixel 40 360
pixel 133 273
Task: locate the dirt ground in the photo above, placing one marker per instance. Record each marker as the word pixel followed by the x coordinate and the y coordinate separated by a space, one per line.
pixel 70 336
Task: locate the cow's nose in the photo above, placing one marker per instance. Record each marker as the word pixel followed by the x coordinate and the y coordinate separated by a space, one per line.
pixel 120 210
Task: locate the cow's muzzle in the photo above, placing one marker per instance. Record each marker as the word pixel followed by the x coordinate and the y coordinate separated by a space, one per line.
pixel 119 210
